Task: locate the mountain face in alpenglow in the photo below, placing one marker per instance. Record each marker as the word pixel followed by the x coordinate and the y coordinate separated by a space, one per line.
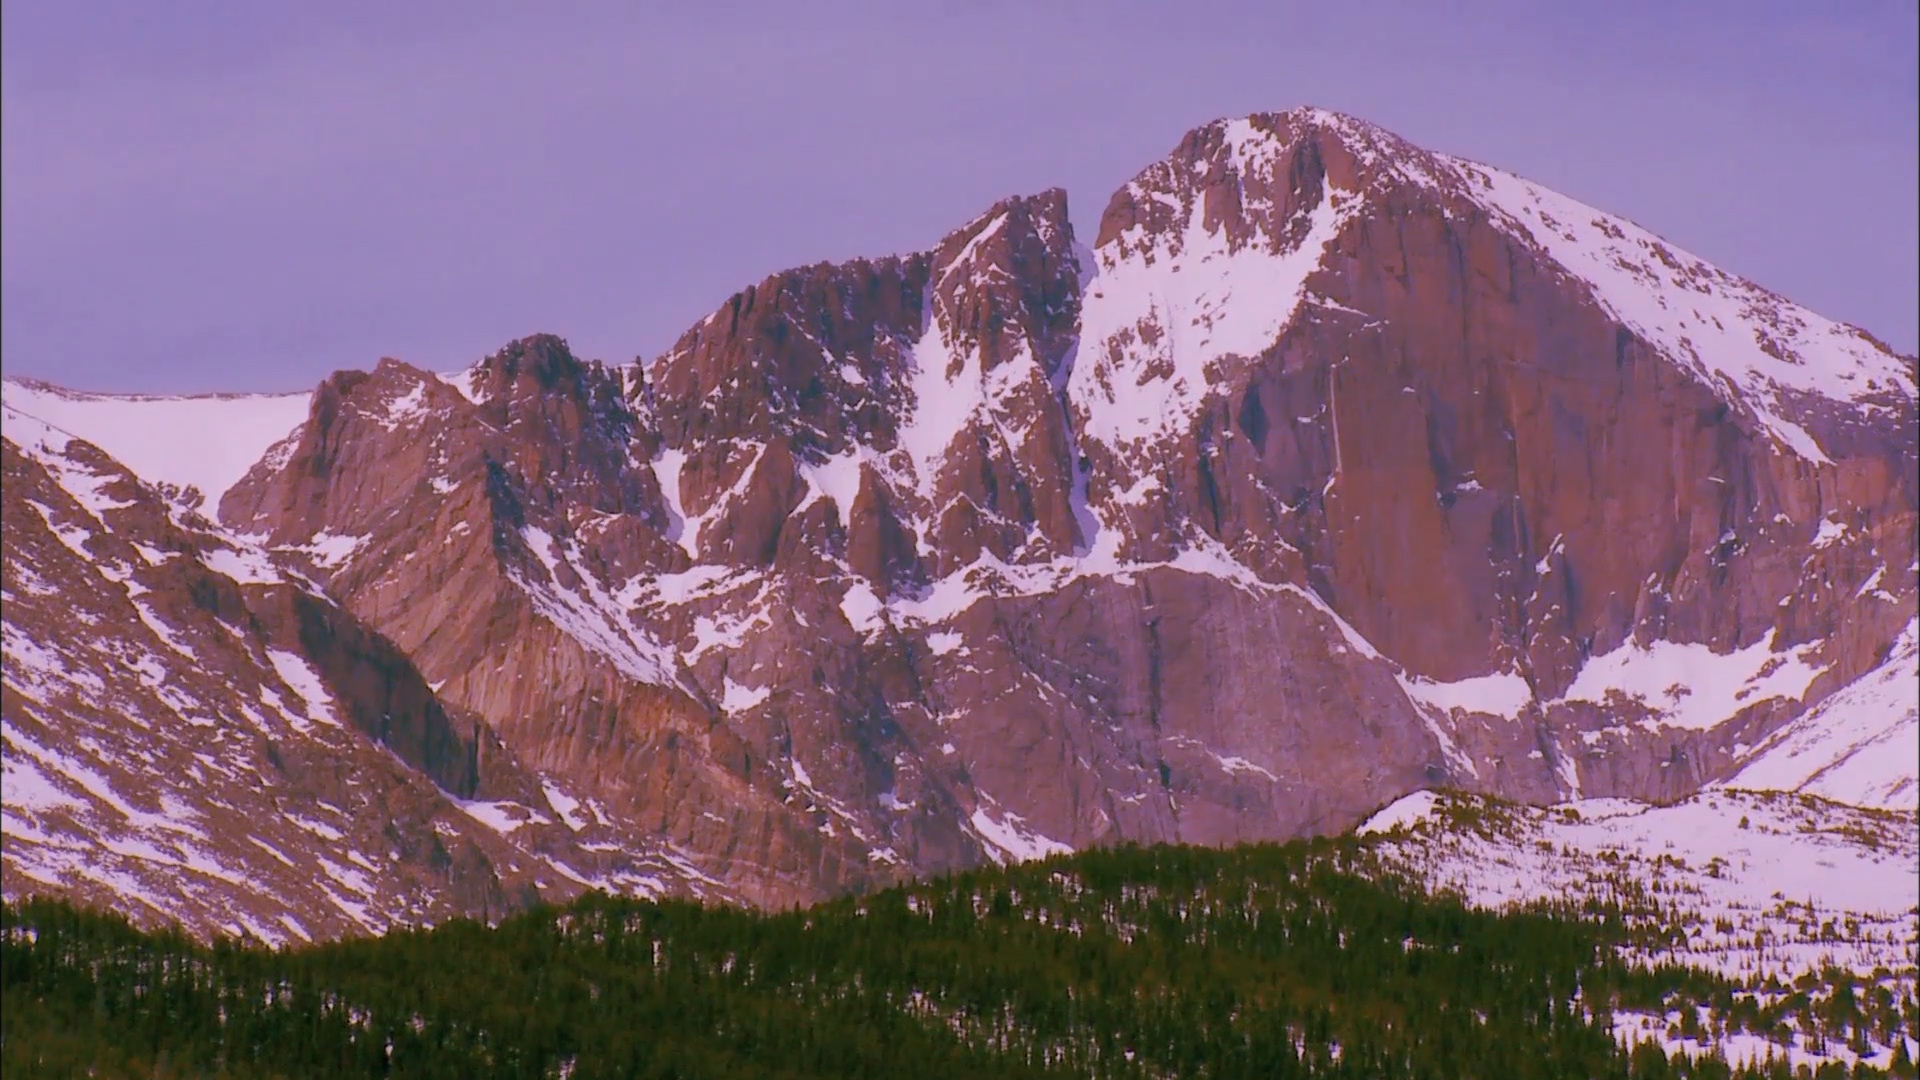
pixel 1332 469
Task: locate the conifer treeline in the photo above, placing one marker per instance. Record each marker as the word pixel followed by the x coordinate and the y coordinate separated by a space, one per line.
pixel 1262 961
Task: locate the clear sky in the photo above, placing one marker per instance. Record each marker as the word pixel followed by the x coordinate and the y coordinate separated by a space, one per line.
pixel 222 195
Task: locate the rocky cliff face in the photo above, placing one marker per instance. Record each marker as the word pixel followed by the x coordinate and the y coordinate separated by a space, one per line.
pixel 1334 469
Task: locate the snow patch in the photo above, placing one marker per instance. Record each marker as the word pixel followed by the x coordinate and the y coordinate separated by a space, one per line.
pixel 245 565
pixel 863 608
pixel 1691 686
pixel 942 642
pixel 302 680
pixel 502 816
pixel 563 804
pixel 1499 694
pixel 737 698
pixel 1008 838
pixel 1406 812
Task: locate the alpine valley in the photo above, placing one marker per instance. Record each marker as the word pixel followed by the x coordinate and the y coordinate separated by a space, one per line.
pixel 1333 482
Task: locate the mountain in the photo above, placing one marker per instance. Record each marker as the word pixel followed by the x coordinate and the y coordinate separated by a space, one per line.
pixel 195 733
pixel 1333 470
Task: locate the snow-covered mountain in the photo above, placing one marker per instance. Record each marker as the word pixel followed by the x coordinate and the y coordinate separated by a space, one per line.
pixel 1333 470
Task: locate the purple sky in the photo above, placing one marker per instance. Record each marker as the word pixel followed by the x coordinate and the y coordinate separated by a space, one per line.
pixel 206 195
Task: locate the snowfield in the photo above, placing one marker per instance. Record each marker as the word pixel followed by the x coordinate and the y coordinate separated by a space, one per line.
pixel 206 441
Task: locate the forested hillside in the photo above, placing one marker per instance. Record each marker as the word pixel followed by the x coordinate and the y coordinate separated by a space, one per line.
pixel 1260 961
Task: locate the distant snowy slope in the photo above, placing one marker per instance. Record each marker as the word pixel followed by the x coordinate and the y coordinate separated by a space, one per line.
pixel 1764 888
pixel 208 441
pixel 1771 846
pixel 1860 746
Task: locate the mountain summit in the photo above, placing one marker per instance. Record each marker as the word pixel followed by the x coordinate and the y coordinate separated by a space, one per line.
pixel 1333 470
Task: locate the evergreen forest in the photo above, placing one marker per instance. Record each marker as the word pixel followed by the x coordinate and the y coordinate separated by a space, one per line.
pixel 1265 961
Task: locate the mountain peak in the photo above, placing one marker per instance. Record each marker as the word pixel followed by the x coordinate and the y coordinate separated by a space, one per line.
pixel 1232 208
pixel 545 357
pixel 1290 126
pixel 1205 255
pixel 1244 163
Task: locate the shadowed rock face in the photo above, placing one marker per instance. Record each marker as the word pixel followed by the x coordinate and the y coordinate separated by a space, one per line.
pixel 1335 469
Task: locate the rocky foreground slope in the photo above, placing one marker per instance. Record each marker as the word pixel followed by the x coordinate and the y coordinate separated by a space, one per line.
pixel 1334 469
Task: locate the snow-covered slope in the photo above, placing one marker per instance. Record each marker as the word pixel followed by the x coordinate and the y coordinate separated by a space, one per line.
pixel 204 441
pixel 1768 889
pixel 1860 746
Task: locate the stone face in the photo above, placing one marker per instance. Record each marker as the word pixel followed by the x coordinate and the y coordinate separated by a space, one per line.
pixel 1336 469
